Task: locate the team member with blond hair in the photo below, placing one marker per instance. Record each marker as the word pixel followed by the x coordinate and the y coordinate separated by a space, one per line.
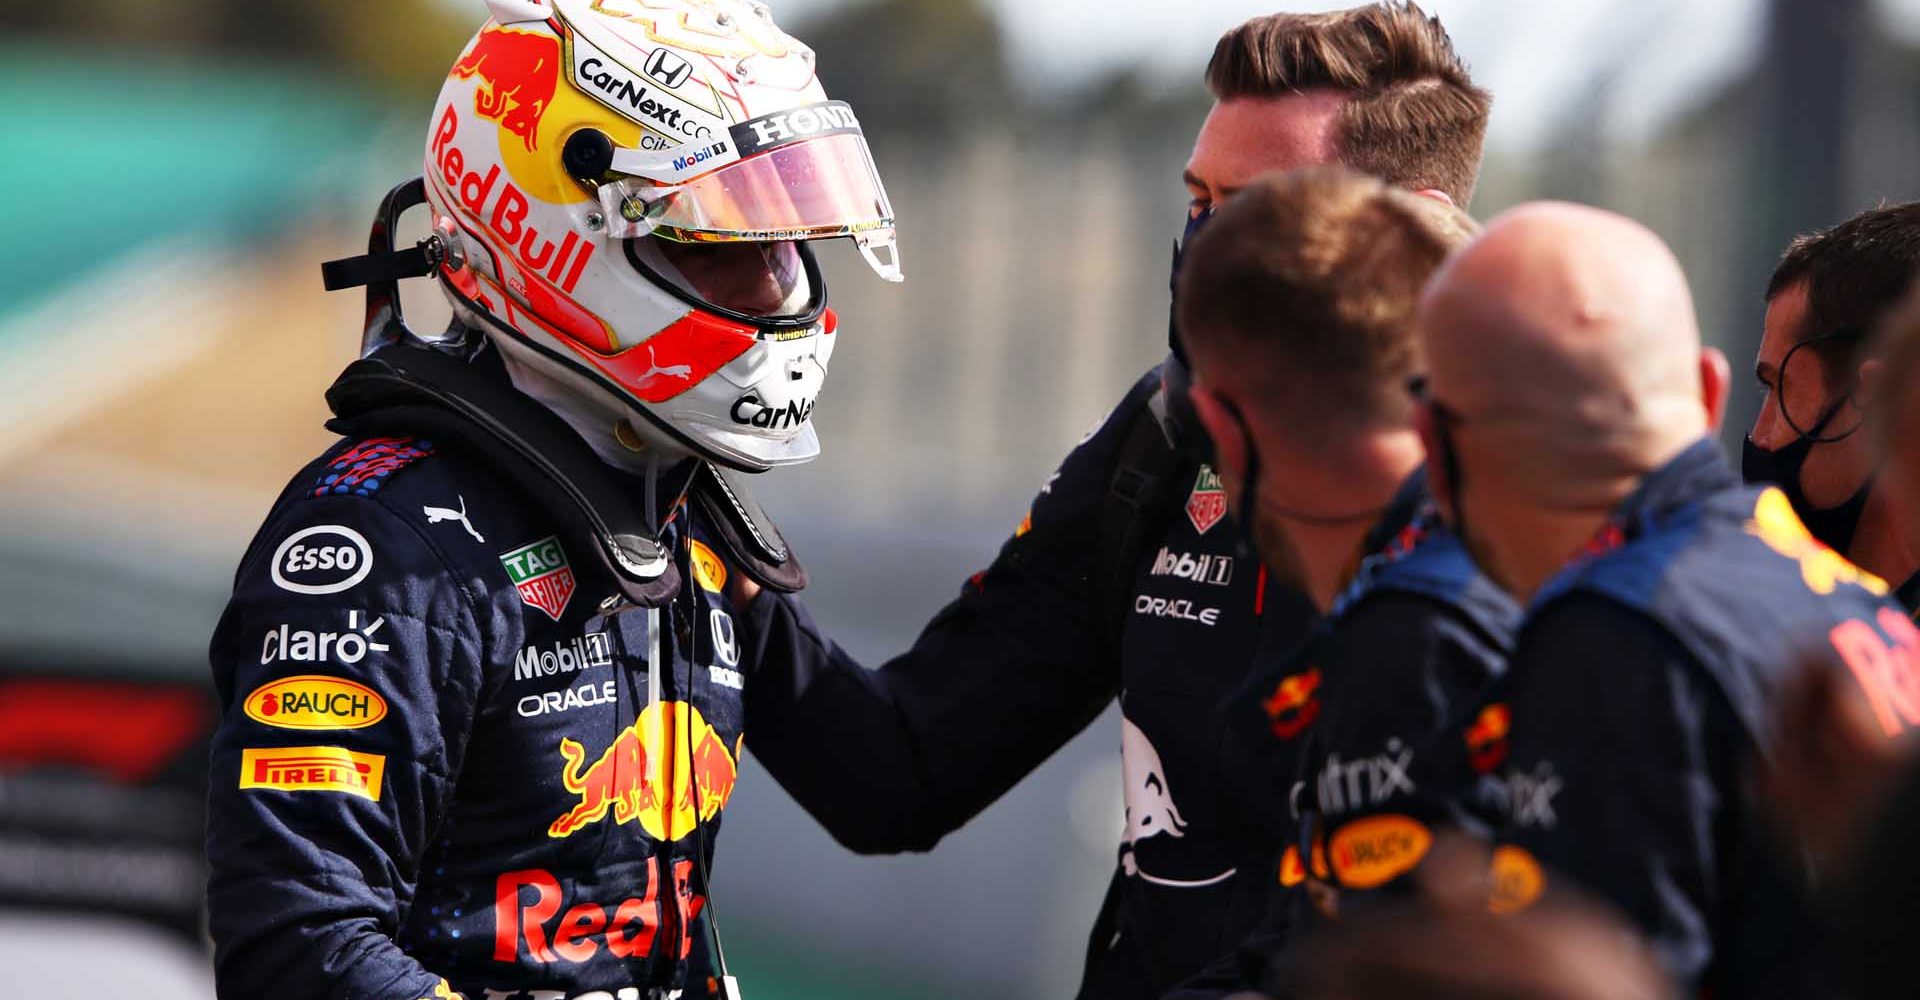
pixel 1296 305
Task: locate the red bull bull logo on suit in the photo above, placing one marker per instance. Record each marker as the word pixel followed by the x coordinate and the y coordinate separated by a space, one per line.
pixel 647 775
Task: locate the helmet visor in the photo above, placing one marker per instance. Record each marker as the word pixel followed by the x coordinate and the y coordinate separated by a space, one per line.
pixel 805 174
pixel 754 280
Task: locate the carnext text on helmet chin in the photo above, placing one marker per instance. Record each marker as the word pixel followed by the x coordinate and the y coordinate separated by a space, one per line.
pixel 749 410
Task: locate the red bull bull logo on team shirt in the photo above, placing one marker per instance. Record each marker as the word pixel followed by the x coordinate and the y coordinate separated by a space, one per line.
pixel 1294 704
pixel 1487 738
pixel 647 775
pixel 519 71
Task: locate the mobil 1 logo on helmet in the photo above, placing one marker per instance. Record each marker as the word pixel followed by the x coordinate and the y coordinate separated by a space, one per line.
pixel 323 559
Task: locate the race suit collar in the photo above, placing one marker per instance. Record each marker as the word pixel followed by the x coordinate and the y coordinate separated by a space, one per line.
pixel 1694 474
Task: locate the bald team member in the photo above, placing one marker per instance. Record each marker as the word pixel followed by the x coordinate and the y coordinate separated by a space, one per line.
pixel 1568 413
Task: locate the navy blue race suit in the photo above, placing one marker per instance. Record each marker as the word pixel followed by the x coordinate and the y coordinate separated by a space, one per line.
pixel 1370 738
pixel 450 758
pixel 1023 660
pixel 1643 693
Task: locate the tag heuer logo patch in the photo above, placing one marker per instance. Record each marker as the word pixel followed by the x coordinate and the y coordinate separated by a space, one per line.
pixel 1207 504
pixel 541 574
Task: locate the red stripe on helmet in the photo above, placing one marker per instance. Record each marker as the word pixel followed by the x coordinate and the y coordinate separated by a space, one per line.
pixel 679 357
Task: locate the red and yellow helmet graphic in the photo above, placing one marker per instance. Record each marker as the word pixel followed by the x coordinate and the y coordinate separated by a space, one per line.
pixel 536 122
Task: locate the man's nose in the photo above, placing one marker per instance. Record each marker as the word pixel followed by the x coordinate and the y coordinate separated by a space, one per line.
pixel 1769 431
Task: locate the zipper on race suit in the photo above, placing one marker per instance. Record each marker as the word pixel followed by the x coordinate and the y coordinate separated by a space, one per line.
pixel 667 944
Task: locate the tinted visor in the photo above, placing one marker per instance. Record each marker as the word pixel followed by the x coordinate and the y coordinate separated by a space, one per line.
pixel 754 280
pixel 804 174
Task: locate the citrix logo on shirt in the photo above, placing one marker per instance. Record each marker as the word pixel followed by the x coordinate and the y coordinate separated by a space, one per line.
pixel 1530 796
pixel 1346 785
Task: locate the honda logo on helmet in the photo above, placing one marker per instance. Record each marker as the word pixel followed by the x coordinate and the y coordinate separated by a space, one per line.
pixel 667 68
pixel 810 122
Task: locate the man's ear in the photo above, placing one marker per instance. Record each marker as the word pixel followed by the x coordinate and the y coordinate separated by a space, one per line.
pixel 1716 377
pixel 1438 485
pixel 1867 390
pixel 1216 417
pixel 1437 195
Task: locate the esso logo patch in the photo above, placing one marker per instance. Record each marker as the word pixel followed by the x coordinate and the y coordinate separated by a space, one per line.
pixel 324 559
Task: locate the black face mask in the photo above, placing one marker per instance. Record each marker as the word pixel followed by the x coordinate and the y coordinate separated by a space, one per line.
pixel 1177 419
pixel 1194 225
pixel 1782 466
pixel 1448 461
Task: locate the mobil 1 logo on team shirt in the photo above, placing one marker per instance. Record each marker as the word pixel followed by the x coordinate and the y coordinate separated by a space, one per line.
pixel 323 559
pixel 1208 568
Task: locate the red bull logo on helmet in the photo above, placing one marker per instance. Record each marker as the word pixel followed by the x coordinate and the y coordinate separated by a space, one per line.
pixel 648 775
pixel 519 71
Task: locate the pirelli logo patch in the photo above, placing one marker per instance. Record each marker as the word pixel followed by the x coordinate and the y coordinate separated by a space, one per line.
pixel 314 769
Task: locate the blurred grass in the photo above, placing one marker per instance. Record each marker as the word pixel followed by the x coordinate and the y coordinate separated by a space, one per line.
pixel 105 152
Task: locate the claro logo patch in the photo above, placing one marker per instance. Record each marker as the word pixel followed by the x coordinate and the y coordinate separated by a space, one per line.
pixel 313 701
pixel 323 559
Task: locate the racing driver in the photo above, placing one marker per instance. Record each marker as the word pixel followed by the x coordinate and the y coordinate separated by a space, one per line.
pixel 481 682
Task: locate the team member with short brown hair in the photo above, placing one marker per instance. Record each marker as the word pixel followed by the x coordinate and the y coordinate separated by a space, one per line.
pixel 1407 109
pixel 1127 579
pixel 1297 306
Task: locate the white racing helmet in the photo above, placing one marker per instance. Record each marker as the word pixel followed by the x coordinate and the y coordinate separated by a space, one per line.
pixel 627 189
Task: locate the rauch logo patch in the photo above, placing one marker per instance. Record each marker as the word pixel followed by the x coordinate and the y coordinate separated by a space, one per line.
pixel 313 701
pixel 1368 853
pixel 541 574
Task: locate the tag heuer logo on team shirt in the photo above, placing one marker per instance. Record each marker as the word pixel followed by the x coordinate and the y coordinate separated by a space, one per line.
pixel 541 574
pixel 1207 504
